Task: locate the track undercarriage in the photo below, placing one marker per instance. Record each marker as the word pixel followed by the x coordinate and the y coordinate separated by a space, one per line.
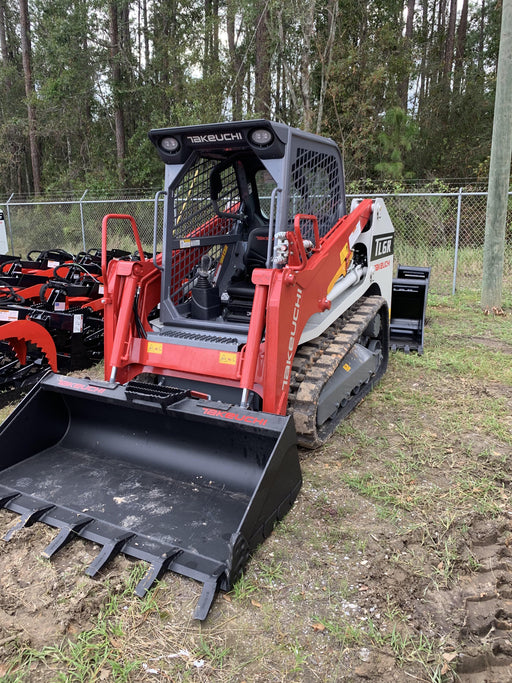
pixel 333 373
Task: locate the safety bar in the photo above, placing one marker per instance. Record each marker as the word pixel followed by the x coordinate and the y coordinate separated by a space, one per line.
pixel 117 216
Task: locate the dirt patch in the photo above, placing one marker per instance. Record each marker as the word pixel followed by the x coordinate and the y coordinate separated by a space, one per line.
pixel 487 342
pixel 42 601
pixel 476 614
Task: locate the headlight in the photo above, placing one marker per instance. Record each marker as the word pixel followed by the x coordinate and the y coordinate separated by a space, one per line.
pixel 261 137
pixel 170 144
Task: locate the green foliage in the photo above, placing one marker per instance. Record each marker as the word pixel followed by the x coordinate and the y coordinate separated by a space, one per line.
pixel 342 68
pixel 397 137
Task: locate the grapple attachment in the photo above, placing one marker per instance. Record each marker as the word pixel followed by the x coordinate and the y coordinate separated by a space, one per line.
pixel 188 485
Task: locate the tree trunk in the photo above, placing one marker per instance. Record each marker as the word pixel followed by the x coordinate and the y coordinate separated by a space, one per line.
pixel 116 85
pixel 145 31
pixel 423 65
pixel 125 64
pixel 289 81
pixel 439 41
pixel 262 63
pixel 481 40
pixel 450 42
pixel 461 48
pixel 215 33
pixel 403 88
pixel 326 62
pixel 308 28
pixel 26 51
pixel 237 76
pixel 3 34
pixel 207 37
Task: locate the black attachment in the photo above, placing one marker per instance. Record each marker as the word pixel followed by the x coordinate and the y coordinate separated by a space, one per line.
pixel 408 307
pixel 192 489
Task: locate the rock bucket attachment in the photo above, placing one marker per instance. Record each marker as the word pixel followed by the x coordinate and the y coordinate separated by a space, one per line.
pixel 408 306
pixel 188 485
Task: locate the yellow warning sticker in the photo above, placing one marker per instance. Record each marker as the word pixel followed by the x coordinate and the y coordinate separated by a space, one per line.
pixel 227 358
pixel 347 367
pixel 155 347
pixel 342 270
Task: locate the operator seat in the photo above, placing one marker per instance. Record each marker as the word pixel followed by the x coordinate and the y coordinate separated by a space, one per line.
pixel 254 257
pixel 241 289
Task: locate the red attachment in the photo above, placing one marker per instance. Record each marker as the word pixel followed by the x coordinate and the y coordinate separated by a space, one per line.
pixel 95 305
pixel 21 332
pixel 298 257
pixel 30 293
pixel 263 279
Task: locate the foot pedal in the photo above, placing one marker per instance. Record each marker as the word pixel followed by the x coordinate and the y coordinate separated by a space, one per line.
pixel 154 393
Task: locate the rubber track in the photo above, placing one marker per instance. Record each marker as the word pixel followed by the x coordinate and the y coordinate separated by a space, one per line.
pixel 314 364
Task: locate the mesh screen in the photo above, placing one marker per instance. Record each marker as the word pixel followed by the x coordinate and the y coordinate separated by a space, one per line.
pixel 195 217
pixel 315 189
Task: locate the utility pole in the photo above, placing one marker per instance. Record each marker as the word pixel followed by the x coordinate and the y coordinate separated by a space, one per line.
pixel 499 171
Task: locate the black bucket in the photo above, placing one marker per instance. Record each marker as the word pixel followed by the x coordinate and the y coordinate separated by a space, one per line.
pixel 191 486
pixel 408 308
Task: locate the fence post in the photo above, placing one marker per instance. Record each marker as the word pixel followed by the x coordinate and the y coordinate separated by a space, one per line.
pixel 82 218
pixel 9 222
pixel 457 233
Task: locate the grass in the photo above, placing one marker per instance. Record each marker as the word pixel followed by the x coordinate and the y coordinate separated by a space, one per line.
pixel 393 636
pixel 94 655
pixel 386 517
pixel 5 411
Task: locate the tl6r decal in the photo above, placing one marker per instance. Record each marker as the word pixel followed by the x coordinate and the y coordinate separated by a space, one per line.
pixel 382 246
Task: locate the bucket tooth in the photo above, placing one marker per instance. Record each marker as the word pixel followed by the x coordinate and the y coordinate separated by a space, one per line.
pixel 112 547
pixel 210 588
pixel 7 497
pixel 27 519
pixel 155 571
pixel 65 535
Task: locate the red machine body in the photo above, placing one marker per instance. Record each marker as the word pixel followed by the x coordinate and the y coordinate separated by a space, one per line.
pixel 284 300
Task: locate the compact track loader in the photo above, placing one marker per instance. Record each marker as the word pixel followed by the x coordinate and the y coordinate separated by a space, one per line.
pixel 260 320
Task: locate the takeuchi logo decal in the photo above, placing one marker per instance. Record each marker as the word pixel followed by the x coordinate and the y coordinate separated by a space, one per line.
pixel 215 137
pixel 81 387
pixel 236 417
pixel 292 340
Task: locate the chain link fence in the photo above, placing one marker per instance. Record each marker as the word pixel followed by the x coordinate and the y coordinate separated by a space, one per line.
pixel 446 232
pixel 442 230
